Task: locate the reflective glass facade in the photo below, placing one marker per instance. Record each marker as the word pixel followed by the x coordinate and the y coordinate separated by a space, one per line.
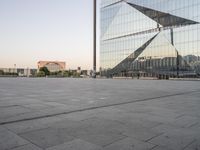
pixel 150 37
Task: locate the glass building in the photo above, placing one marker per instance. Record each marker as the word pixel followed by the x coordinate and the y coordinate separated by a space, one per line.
pixel 150 38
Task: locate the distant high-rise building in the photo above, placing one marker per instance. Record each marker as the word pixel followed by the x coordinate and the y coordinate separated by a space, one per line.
pixel 150 37
pixel 53 66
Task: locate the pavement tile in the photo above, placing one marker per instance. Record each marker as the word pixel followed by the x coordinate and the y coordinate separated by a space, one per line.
pixel 92 125
pixel 37 106
pixel 101 139
pixel 95 130
pixel 76 144
pixel 177 141
pixel 162 148
pixel 13 111
pixel 128 118
pixel 47 137
pixel 171 123
pixel 186 121
pixel 27 147
pixel 80 116
pixel 142 134
pixel 129 144
pixel 195 145
pixel 31 125
pixel 10 140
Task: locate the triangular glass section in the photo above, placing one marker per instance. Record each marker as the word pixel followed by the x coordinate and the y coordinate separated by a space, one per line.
pixel 160 57
pixel 180 6
pixel 126 64
pixel 117 52
pixel 126 22
pixel 165 19
pixel 107 3
pixel 107 16
pixel 159 48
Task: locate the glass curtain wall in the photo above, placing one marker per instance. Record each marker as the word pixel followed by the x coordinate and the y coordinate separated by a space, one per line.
pixel 150 38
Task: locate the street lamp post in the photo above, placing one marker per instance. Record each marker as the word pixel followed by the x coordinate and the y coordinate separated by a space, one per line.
pixel 94 36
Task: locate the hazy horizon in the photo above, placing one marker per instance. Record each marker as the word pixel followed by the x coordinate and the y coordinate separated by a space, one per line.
pixel 49 30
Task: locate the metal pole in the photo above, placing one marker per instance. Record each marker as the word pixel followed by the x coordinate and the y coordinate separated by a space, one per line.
pixel 94 37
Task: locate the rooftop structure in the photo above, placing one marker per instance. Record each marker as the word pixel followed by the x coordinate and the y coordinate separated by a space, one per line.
pixel 53 66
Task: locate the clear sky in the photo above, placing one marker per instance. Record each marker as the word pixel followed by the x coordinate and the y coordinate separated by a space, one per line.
pixel 33 30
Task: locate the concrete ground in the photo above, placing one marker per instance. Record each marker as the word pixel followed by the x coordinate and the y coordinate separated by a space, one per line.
pixel 87 114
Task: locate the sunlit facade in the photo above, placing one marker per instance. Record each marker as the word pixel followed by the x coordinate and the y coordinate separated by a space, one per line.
pixel 150 38
pixel 52 66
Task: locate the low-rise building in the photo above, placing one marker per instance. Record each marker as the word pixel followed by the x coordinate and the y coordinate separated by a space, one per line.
pixel 53 66
pixel 22 72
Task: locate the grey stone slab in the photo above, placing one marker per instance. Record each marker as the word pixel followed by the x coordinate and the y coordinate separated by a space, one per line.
pixel 146 116
pixel 175 131
pixel 10 140
pixel 161 148
pixel 13 111
pixel 165 128
pixel 92 125
pixel 135 127
pixel 31 125
pixel 27 147
pixel 157 118
pixel 95 130
pixel 23 116
pixel 69 126
pixel 55 104
pixel 80 116
pixel 35 114
pixel 37 106
pixel 127 118
pixel 138 121
pixel 165 113
pixel 173 141
pixel 142 134
pixel 76 144
pixel 154 107
pixel 159 108
pixel 47 137
pixel 186 121
pixel 101 139
pixel 129 144
pixel 195 145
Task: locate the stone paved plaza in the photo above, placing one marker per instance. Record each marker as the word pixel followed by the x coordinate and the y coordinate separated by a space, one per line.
pixel 101 114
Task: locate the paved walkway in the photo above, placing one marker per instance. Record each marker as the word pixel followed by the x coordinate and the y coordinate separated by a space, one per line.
pixel 87 114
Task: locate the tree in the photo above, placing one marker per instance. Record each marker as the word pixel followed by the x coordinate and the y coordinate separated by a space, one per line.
pixel 41 74
pixel 45 70
pixel 1 72
pixel 66 74
pixel 76 75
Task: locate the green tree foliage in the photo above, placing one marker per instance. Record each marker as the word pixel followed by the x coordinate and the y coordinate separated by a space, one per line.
pixel 56 74
pixel 76 75
pixel 67 74
pixel 41 74
pixel 45 70
pixel 1 72
pixel 10 74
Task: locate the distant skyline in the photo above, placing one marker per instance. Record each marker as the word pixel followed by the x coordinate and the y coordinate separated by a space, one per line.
pixel 52 30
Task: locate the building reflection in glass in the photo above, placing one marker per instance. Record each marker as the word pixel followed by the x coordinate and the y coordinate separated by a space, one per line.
pixel 150 37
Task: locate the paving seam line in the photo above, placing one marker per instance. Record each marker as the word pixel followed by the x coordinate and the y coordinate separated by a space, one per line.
pixel 95 107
